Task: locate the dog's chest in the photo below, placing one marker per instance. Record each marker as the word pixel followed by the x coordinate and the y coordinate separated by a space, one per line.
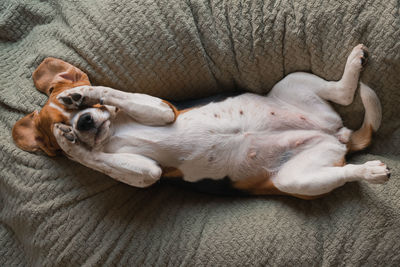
pixel 222 139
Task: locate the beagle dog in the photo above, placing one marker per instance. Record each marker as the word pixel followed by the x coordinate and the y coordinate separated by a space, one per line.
pixel 289 142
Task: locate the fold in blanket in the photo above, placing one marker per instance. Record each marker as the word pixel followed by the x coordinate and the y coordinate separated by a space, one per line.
pixel 55 212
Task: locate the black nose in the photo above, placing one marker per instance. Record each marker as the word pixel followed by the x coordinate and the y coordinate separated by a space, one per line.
pixel 85 122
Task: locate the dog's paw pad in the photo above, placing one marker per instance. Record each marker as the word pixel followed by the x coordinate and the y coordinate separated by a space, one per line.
pixel 76 96
pixel 64 128
pixel 65 100
pixel 70 137
pixel 376 172
pixel 71 101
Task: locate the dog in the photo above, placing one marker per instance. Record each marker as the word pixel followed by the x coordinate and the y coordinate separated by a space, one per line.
pixel 290 142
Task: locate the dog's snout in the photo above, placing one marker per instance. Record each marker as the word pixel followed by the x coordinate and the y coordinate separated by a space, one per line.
pixel 85 122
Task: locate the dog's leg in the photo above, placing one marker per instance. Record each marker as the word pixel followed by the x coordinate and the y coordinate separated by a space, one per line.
pixel 322 180
pixel 312 173
pixel 132 169
pixel 341 92
pixel 144 108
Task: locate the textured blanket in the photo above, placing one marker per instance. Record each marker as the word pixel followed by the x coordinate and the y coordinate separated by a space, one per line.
pixel 54 212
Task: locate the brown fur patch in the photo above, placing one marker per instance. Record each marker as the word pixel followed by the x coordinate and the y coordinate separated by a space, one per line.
pixel 360 139
pixel 340 163
pixel 170 172
pixel 258 185
pixel 180 112
pixel 262 185
pixel 176 112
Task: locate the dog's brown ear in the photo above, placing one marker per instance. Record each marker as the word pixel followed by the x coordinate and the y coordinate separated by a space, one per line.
pixel 52 72
pixel 28 137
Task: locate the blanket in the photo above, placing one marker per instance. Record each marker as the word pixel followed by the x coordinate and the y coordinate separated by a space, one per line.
pixel 54 212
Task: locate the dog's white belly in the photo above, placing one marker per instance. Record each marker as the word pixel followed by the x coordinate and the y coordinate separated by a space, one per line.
pixel 240 137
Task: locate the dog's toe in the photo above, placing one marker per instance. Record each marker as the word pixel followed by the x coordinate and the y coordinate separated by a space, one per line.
pixel 65 128
pixel 364 58
pixel 70 137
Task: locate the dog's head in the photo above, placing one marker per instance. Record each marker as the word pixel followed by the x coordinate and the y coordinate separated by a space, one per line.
pixel 92 125
pixel 35 131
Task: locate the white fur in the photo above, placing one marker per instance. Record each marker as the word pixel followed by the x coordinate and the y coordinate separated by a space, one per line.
pixel 65 113
pixel 293 134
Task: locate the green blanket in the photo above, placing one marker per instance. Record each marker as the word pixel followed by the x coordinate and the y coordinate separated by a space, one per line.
pixel 54 212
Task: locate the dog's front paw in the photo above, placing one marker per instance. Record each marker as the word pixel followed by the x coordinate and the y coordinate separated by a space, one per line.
pixel 376 172
pixel 66 131
pixel 359 56
pixel 80 97
pixel 68 141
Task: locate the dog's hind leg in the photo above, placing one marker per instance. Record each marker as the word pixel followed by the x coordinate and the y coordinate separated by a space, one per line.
pixel 302 85
pixel 321 169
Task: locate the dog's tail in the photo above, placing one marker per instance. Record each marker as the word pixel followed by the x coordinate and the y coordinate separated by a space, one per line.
pixel 361 138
